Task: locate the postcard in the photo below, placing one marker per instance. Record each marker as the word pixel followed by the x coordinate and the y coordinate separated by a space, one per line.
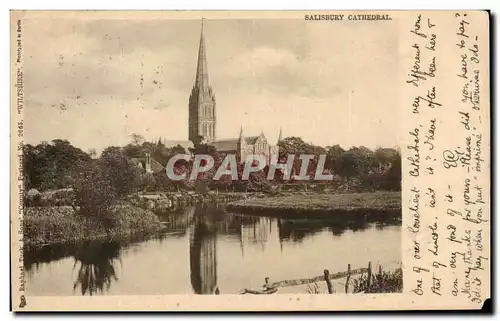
pixel 250 160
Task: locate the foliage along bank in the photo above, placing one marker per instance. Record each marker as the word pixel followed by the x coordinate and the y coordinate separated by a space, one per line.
pixel 62 225
pixel 99 185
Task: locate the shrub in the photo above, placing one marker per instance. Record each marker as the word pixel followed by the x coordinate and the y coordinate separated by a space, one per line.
pixel 313 289
pixel 51 225
pixel 382 282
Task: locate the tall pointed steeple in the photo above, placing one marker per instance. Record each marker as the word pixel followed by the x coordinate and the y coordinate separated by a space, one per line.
pixel 202 116
pixel 280 136
pixel 241 132
pixel 201 69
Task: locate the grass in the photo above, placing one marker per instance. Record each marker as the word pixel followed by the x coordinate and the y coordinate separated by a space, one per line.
pixel 309 205
pixel 61 224
pixel 382 282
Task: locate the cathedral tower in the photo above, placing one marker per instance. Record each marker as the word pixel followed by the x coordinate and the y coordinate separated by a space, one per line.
pixel 202 120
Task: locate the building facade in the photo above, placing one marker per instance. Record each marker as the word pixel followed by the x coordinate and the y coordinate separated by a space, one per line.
pixel 203 120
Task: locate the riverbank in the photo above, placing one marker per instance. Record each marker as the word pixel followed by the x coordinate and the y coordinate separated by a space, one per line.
pixel 153 201
pixel 61 224
pixel 159 202
pixel 351 206
pixel 49 218
pixel 135 216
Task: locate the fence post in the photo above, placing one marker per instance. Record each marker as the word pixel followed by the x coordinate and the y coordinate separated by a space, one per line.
pixel 328 282
pixel 369 274
pixel 348 277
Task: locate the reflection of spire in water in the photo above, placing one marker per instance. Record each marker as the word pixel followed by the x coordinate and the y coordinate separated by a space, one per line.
pixel 203 258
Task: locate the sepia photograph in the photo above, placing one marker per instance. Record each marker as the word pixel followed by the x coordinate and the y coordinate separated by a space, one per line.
pixel 211 156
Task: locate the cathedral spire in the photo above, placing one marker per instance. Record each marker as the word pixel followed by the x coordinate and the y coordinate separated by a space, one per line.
pixel 202 109
pixel 280 136
pixel 201 69
pixel 241 132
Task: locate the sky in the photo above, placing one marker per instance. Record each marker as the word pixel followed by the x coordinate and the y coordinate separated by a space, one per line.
pixel 95 82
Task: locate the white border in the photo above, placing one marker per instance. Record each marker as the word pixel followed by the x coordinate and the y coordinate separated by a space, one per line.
pixel 176 5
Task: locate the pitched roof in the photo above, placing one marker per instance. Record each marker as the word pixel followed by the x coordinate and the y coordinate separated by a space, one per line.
pixel 225 144
pixel 231 144
pixel 155 165
pixel 136 161
pixel 251 140
pixel 173 143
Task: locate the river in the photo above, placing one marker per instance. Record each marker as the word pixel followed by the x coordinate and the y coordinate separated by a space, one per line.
pixel 204 249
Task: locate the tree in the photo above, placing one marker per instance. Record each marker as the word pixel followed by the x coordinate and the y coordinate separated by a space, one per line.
pixel 94 193
pixel 160 143
pixel 389 168
pixel 51 166
pixel 292 146
pixel 123 175
pixel 296 146
pixel 198 140
pixel 393 175
pixel 386 157
pixel 133 151
pixel 357 162
pixel 178 150
pixel 334 158
pixel 137 139
pixel 100 184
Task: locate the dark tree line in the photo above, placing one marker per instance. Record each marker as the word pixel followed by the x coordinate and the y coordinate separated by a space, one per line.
pixel 51 165
pixel 58 165
pixel 379 169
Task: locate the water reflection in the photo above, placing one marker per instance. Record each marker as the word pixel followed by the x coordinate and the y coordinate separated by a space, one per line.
pixel 97 266
pixel 96 269
pixel 203 256
pixel 94 263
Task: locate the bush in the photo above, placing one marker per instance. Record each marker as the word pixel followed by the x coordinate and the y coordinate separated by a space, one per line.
pixel 382 282
pixel 60 225
pixel 43 225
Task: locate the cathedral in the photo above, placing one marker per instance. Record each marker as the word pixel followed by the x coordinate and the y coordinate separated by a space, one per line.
pixel 203 119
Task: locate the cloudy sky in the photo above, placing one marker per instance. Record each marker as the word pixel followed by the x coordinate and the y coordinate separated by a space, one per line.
pixel 96 82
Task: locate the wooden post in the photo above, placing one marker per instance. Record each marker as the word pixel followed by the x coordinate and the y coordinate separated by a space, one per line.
pixel 348 277
pixel 328 282
pixel 369 274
